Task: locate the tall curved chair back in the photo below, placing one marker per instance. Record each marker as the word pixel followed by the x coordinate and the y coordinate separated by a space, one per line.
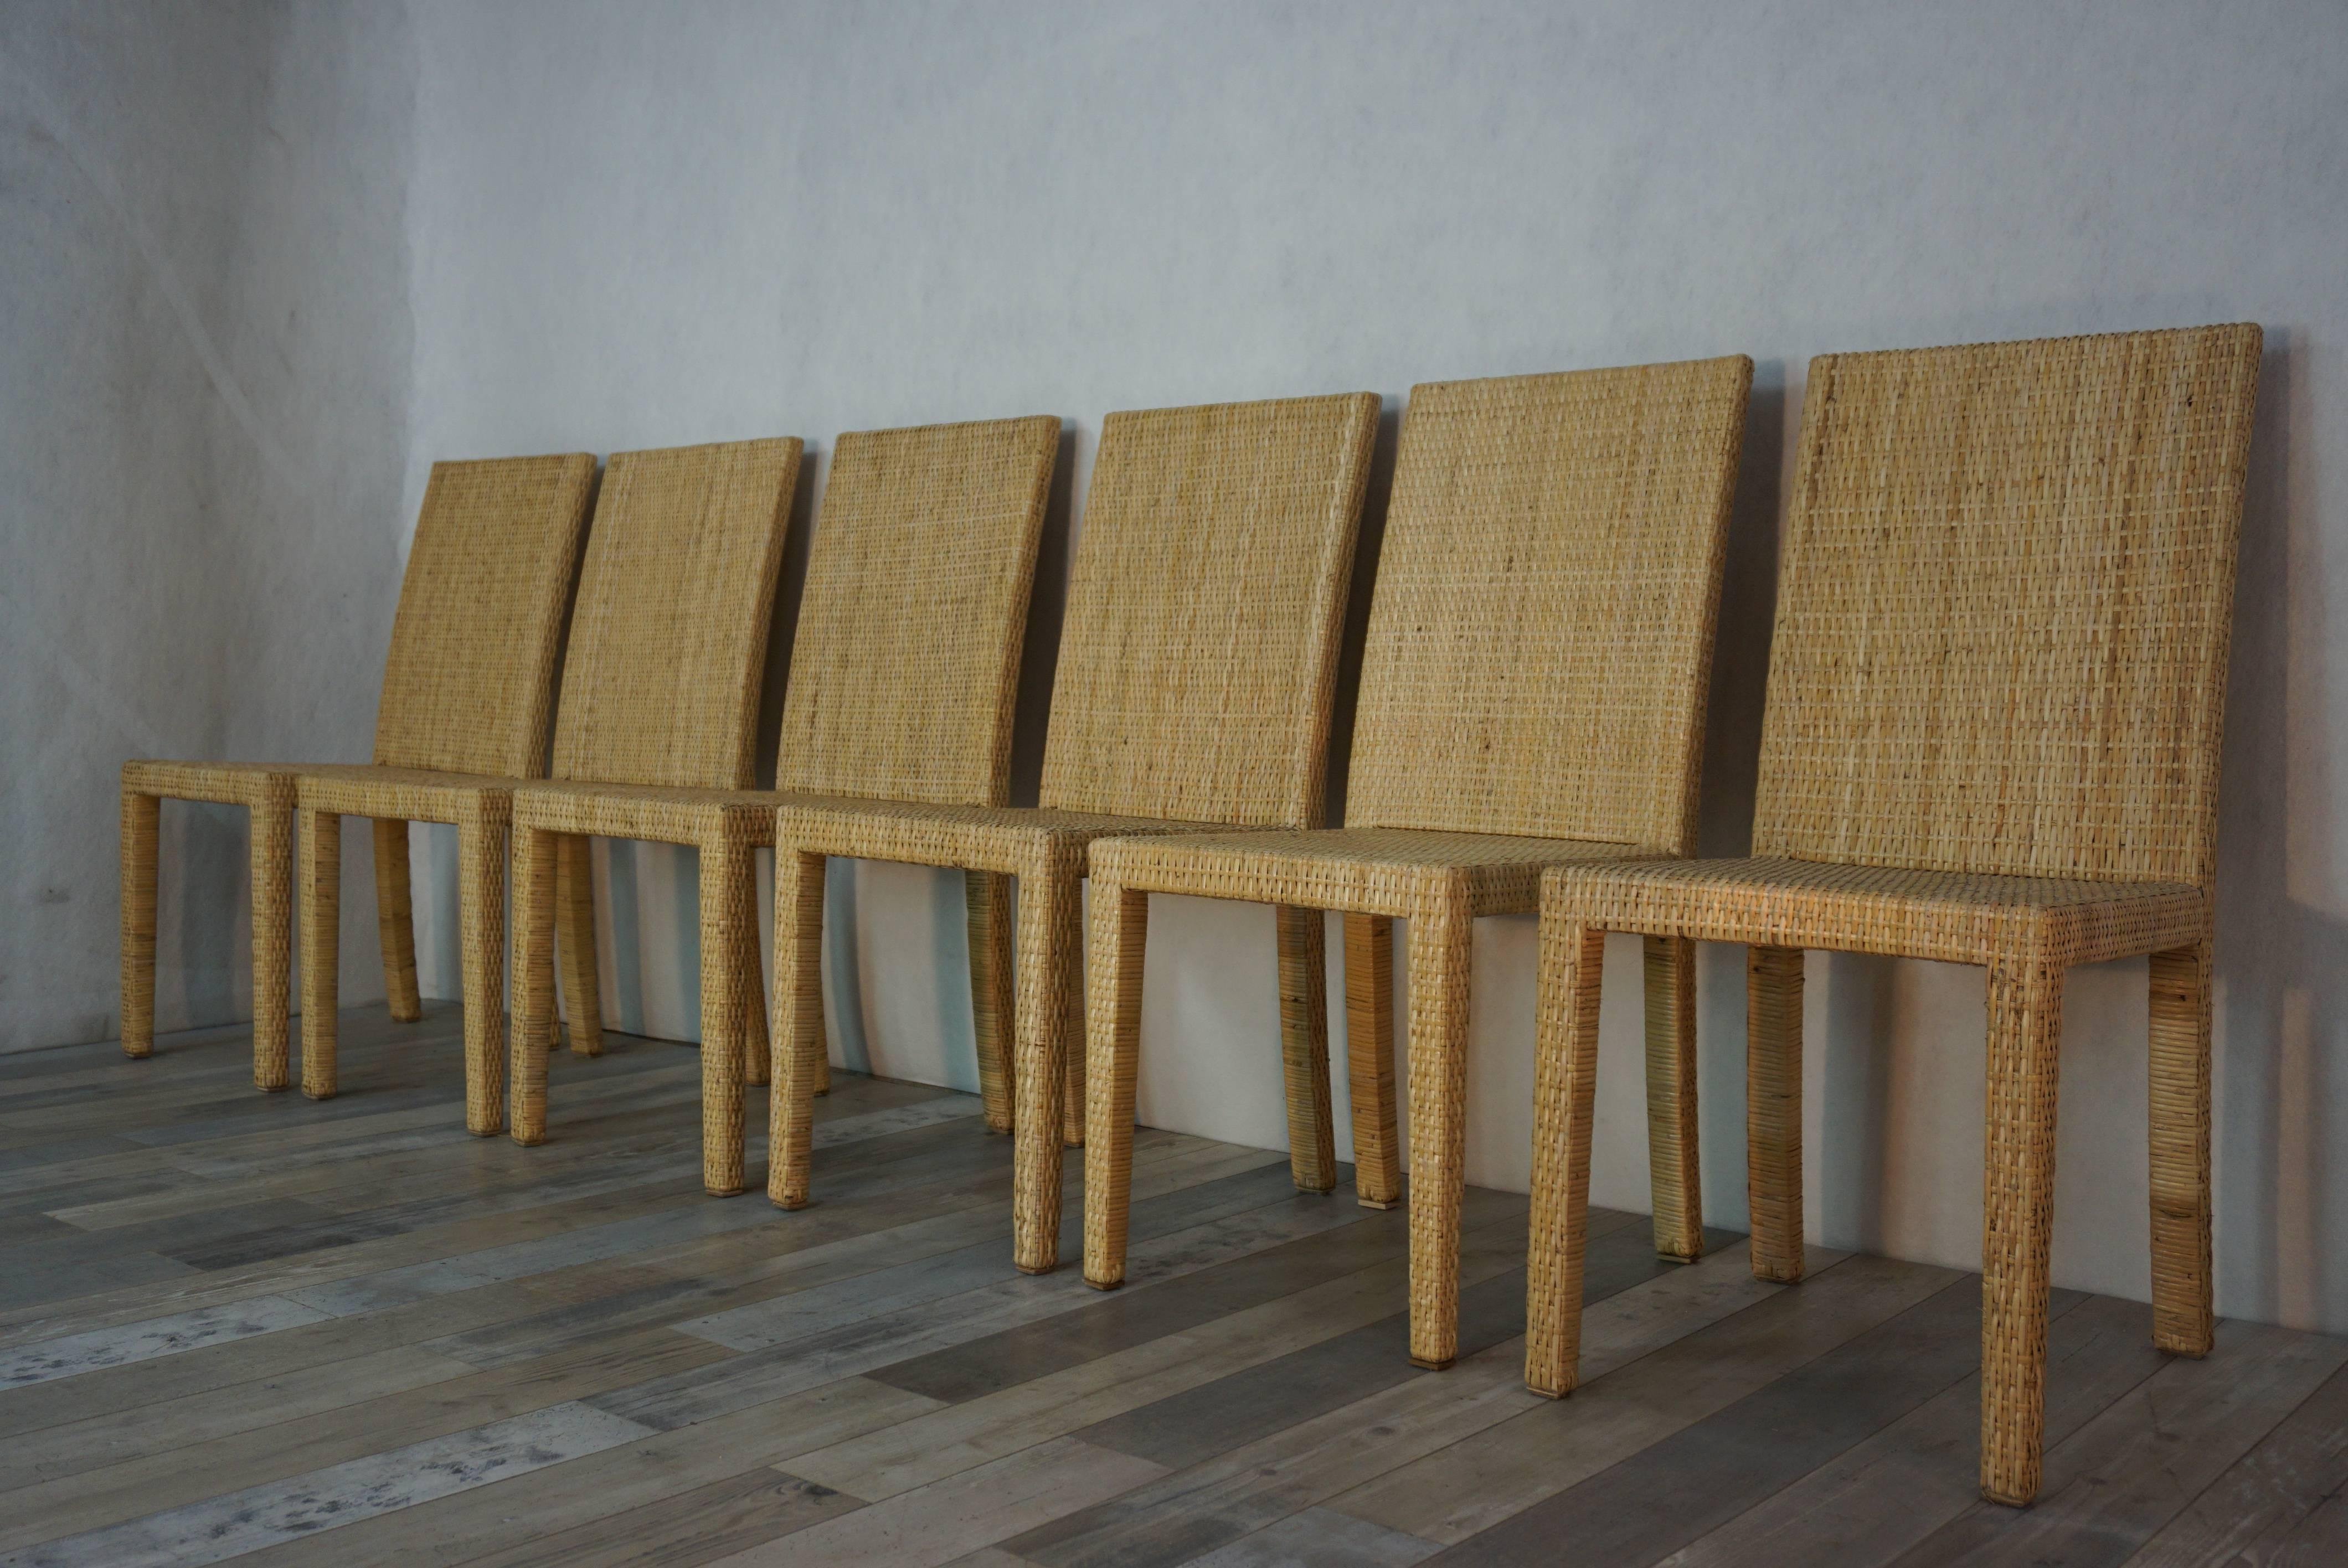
pixel 668 638
pixel 1197 662
pixel 468 683
pixel 2004 608
pixel 1542 632
pixel 906 665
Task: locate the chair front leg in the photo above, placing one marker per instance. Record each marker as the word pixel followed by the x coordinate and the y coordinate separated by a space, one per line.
pixel 394 919
pixel 1442 928
pixel 322 922
pixel 2026 1027
pixel 1305 1047
pixel 536 899
pixel 1120 932
pixel 2183 1320
pixel 481 936
pixel 1369 1060
pixel 798 1043
pixel 986 901
pixel 1675 1175
pixel 574 929
pixel 272 940
pixel 1051 949
pixel 1572 969
pixel 142 831
pixel 726 867
pixel 1772 1109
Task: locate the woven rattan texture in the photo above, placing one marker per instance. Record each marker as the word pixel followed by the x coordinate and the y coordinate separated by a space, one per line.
pixel 1953 916
pixel 2003 612
pixel 468 683
pixel 1545 602
pixel 905 667
pixel 668 638
pixel 1199 655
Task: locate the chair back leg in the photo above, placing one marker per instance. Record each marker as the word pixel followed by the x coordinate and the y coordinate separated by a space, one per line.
pixel 1369 1060
pixel 395 918
pixel 1304 1047
pixel 1675 1178
pixel 1772 1109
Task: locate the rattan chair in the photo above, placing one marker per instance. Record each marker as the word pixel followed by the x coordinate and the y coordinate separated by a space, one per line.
pixel 1196 673
pixel 660 685
pixel 1992 738
pixel 1532 693
pixel 903 674
pixel 468 681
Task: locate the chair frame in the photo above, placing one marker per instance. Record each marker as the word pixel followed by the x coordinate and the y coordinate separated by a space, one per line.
pixel 1119 759
pixel 1439 848
pixel 2084 861
pixel 604 726
pixel 435 666
pixel 849 676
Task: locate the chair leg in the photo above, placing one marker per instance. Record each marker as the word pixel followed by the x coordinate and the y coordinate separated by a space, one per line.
pixel 2025 1028
pixel 726 866
pixel 2183 1320
pixel 1772 1109
pixel 322 941
pixel 986 897
pixel 481 937
pixel 1674 1173
pixel 1051 949
pixel 1305 1047
pixel 394 919
pixel 537 856
pixel 798 1042
pixel 273 941
pixel 1075 1057
pixel 1369 1060
pixel 1572 969
pixel 1441 952
pixel 574 931
pixel 1120 932
pixel 750 974
pixel 141 825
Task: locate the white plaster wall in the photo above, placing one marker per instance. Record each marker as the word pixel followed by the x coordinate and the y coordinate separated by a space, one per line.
pixel 643 225
pixel 204 402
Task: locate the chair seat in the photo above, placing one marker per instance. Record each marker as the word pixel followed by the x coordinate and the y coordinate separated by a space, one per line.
pixel 414 794
pixel 1366 870
pixel 1956 917
pixel 973 837
pixel 228 784
pixel 656 814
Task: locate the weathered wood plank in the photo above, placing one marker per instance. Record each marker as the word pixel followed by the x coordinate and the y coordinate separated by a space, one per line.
pixel 2113 1484
pixel 2261 1511
pixel 1882 1496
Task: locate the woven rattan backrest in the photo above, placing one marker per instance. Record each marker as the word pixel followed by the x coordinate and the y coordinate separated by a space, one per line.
pixel 1542 627
pixel 2004 605
pixel 905 667
pixel 1199 655
pixel 668 638
pixel 468 683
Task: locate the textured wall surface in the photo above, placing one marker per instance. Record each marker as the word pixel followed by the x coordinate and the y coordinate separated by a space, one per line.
pixel 634 226
pixel 203 411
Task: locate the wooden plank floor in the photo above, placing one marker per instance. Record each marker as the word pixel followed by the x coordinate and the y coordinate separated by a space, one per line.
pixel 250 1327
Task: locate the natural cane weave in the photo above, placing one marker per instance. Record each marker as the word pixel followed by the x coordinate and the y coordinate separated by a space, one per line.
pixel 1197 669
pixel 1532 694
pixel 467 683
pixel 668 636
pixel 1994 699
pixel 904 669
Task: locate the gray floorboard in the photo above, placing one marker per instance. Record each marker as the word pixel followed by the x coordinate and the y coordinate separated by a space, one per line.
pixel 254 1327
